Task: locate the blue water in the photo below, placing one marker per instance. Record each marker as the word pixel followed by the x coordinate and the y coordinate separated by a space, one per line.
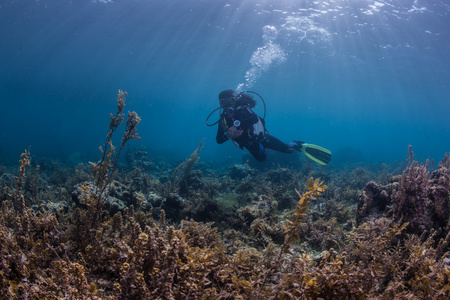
pixel 360 75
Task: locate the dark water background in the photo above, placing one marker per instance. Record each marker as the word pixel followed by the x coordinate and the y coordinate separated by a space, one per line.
pixel 362 78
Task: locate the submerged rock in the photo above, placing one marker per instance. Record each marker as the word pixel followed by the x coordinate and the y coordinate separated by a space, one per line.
pixel 279 175
pixel 261 207
pixel 374 200
pixel 173 206
pixel 139 159
pixel 239 172
pixel 113 197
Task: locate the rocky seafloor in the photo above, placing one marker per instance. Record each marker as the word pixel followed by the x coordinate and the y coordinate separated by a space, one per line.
pixel 161 229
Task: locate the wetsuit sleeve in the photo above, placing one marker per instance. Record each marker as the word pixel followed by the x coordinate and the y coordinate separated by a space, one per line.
pixel 221 136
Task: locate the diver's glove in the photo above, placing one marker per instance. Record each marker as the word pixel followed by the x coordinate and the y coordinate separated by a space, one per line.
pixel 233 133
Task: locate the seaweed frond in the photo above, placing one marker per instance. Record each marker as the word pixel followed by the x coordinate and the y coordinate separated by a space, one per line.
pixel 24 161
pixel 181 174
pixel 104 170
pixel 315 188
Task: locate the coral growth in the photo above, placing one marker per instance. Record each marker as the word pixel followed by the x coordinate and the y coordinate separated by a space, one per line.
pixel 416 197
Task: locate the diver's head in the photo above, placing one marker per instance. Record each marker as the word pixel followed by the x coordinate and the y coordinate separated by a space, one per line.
pixel 243 99
pixel 227 98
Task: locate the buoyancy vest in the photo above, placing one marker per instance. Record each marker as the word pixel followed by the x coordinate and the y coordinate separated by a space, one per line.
pixel 252 126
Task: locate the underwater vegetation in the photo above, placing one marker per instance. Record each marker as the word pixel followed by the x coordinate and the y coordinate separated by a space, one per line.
pixel 147 228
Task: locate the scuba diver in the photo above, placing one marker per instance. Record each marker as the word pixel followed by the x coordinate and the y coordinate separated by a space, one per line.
pixel 246 129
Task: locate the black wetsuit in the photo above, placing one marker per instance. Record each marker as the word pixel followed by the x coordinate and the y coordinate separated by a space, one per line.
pixel 254 137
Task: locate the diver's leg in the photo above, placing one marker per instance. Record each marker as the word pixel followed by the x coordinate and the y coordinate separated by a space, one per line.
pixel 273 143
pixel 257 150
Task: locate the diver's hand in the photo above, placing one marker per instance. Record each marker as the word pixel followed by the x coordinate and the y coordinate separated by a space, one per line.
pixel 233 133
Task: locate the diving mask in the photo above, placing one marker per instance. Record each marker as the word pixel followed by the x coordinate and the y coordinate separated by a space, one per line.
pixel 227 102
